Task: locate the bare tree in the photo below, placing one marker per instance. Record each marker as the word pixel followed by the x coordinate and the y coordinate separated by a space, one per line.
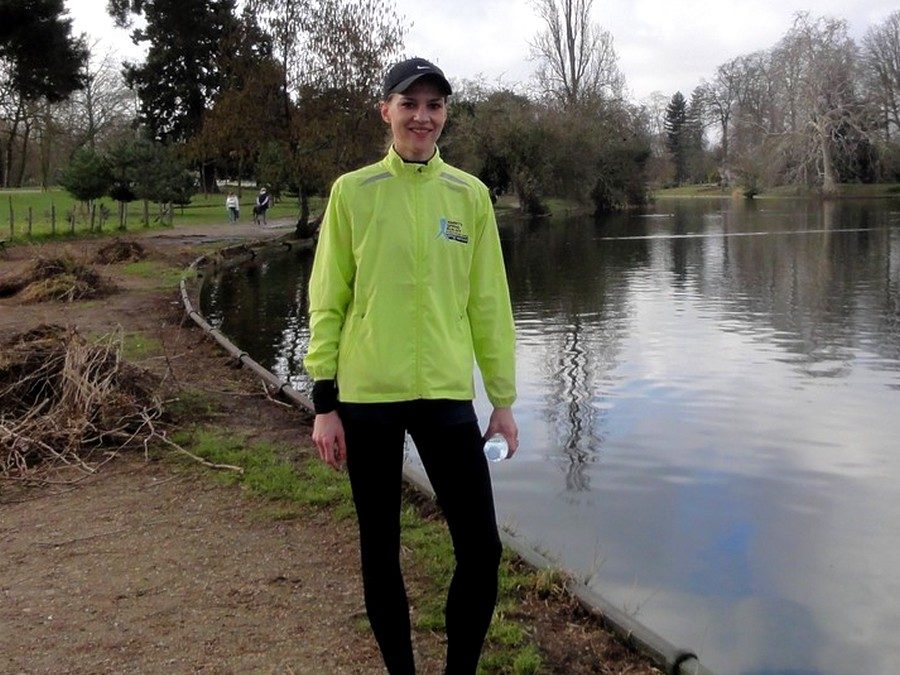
pixel 827 115
pixel 332 44
pixel 576 57
pixel 104 105
pixel 333 54
pixel 793 113
pixel 881 62
pixel 720 96
pixel 654 107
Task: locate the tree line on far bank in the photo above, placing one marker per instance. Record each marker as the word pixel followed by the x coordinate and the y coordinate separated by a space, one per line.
pixel 283 93
pixel 814 110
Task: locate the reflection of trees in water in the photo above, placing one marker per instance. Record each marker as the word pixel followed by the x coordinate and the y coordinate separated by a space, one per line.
pixel 572 412
pixel 563 271
pixel 824 291
pixel 262 307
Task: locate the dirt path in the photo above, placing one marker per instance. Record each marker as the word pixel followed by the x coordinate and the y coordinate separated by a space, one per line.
pixel 151 567
pixel 145 570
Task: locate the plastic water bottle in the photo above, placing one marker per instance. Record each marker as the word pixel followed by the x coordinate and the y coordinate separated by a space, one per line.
pixel 495 448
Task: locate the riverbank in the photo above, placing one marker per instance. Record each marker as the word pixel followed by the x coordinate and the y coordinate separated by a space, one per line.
pixel 153 563
pixel 845 191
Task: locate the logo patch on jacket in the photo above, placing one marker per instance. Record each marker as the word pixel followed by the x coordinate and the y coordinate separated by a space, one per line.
pixel 452 231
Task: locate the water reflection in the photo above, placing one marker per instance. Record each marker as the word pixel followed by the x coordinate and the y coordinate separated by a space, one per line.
pixel 262 306
pixel 708 397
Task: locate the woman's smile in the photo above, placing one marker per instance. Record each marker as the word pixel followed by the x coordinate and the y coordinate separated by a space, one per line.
pixel 417 117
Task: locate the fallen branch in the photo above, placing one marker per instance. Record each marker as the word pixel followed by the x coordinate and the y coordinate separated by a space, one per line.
pixel 197 458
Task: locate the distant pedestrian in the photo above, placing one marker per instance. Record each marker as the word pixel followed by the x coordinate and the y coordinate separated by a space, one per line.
pixel 233 206
pixel 263 200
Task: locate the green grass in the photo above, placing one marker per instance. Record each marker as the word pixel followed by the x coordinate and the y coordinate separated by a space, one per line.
pixel 191 404
pixel 508 648
pixel 210 209
pixel 845 190
pixel 137 346
pixel 164 275
pixel 203 210
pixel 268 474
pixel 557 207
pixel 870 190
pixel 708 190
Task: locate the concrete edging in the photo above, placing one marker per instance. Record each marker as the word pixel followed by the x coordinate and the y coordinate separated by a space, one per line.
pixel 243 358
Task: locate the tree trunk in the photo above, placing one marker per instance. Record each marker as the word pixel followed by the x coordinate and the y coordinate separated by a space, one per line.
pixel 302 229
pixel 10 146
pixel 208 177
pixel 47 143
pixel 20 177
pixel 829 184
pixel 725 162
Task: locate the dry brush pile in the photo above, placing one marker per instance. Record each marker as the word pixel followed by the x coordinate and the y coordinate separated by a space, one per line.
pixel 63 279
pixel 119 251
pixel 69 403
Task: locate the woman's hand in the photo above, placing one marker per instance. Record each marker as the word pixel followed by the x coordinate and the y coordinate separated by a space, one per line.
pixel 328 435
pixel 502 422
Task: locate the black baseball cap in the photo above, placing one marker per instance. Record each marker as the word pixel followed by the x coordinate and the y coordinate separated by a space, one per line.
pixel 401 76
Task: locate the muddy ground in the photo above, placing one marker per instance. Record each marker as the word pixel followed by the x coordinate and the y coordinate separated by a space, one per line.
pixel 152 565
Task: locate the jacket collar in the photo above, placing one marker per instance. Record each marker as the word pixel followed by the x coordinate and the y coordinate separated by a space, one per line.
pixel 395 164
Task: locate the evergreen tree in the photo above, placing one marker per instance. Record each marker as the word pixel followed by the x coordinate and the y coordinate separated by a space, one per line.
pixel 248 112
pixel 87 178
pixel 678 135
pixel 161 177
pixel 181 75
pixel 694 144
pixel 38 53
pixel 40 60
pixel 124 159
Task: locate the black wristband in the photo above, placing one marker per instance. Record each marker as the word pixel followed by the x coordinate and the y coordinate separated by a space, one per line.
pixel 324 396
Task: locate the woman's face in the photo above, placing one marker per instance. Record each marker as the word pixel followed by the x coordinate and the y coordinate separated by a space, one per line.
pixel 417 118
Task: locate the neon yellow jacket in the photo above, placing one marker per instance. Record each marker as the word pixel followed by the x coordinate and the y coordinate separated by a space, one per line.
pixel 408 285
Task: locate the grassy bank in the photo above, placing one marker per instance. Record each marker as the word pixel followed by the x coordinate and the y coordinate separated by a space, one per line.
pixel 49 213
pixel 557 207
pixel 295 484
pixel 845 191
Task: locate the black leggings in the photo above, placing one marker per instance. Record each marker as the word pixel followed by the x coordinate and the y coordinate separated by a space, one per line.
pixel 450 444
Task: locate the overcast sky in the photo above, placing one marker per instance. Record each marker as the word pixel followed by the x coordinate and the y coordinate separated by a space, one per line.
pixel 663 46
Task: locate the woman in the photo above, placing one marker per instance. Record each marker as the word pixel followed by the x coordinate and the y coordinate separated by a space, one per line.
pixel 261 206
pixel 233 206
pixel 408 290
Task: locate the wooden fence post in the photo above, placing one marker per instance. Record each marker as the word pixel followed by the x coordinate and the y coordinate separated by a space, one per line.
pixel 53 219
pixel 30 216
pixel 104 216
pixel 12 219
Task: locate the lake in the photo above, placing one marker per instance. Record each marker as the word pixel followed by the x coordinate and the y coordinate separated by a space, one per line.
pixel 709 408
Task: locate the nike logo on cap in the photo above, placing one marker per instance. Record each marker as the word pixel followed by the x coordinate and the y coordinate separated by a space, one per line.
pixel 422 68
